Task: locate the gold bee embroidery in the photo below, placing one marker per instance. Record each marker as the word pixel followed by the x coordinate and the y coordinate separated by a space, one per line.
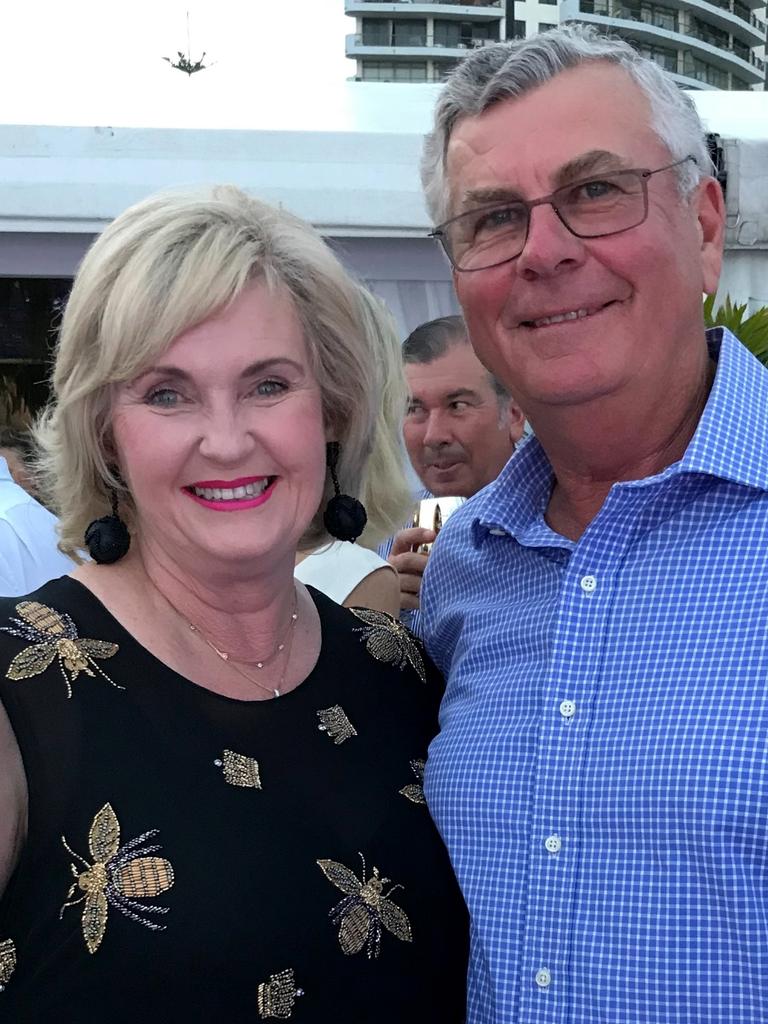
pixel 118 876
pixel 364 909
pixel 388 640
pixel 335 722
pixel 239 770
pixel 7 962
pixel 54 635
pixel 415 791
pixel 277 996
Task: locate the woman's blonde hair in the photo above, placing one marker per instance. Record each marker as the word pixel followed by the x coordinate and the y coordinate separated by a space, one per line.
pixel 164 266
pixel 387 496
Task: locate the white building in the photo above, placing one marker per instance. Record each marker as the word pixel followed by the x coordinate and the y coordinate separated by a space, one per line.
pixel 706 44
pixel 355 177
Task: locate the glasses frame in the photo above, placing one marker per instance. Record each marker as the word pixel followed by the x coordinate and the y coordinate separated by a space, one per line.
pixel 643 174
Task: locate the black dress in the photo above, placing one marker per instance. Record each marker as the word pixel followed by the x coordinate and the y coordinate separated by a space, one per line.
pixel 191 857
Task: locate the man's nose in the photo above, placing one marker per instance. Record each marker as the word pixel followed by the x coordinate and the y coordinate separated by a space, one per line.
pixel 550 247
pixel 437 430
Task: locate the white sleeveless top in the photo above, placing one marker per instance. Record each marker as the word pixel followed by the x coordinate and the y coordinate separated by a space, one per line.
pixel 337 568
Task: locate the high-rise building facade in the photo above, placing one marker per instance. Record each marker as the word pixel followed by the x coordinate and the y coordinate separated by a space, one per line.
pixel 705 44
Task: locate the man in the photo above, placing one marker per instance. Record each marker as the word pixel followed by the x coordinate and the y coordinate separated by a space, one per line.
pixel 460 429
pixel 29 556
pixel 601 610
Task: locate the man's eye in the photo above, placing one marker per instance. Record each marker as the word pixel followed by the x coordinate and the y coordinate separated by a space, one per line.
pixel 163 398
pixel 503 217
pixel 591 190
pixel 459 406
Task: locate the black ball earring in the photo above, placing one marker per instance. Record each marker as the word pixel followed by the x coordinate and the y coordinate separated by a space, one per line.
pixel 107 539
pixel 344 516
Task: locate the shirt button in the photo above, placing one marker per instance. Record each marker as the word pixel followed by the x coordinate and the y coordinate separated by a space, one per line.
pixel 553 843
pixel 496 531
pixel 543 977
pixel 567 708
pixel 588 584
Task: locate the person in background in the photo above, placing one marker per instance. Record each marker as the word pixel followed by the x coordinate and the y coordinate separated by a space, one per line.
pixel 461 427
pixel 210 774
pixel 601 610
pixel 17 447
pixel 353 574
pixel 29 552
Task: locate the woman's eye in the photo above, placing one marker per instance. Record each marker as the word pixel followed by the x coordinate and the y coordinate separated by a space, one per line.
pixel 164 398
pixel 269 388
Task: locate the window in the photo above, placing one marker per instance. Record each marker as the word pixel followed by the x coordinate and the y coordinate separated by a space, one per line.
pixel 741 49
pixel 703 72
pixel 407 32
pixel 411 72
pixel 665 57
pixel 377 32
pixel 544 26
pixel 519 30
pixel 446 33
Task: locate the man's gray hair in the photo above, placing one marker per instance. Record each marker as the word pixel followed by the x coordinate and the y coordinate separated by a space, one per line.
pixel 495 73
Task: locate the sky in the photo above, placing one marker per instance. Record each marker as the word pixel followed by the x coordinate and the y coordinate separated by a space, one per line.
pixel 98 62
pixel 275 64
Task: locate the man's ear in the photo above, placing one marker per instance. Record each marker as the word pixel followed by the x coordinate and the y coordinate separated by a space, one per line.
pixel 516 421
pixel 710 214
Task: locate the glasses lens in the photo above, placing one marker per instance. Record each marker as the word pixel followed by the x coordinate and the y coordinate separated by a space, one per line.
pixel 603 206
pixel 482 238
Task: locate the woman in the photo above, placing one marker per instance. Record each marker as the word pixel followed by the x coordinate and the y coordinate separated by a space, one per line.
pixel 353 574
pixel 205 804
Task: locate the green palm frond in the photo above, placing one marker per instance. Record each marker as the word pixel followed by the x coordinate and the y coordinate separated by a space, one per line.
pixel 752 330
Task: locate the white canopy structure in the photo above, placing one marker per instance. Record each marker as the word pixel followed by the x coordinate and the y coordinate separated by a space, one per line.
pixel 354 175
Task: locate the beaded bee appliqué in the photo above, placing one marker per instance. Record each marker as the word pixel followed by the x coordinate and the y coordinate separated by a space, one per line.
pixel 118 877
pixel 54 635
pixel 365 909
pixel 389 641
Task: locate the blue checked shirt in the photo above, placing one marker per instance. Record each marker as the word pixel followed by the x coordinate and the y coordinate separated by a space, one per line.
pixel 601 774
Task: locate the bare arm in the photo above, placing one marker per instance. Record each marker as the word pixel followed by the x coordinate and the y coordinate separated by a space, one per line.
pixel 379 590
pixel 13 801
pixel 410 564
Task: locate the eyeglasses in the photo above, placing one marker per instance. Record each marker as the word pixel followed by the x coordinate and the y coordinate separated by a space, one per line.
pixel 592 208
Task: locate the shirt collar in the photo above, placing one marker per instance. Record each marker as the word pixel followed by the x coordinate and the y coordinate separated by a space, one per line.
pixel 730 442
pixel 5 473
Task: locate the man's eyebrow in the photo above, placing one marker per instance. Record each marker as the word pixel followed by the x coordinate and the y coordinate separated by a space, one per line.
pixel 580 167
pixel 586 164
pixel 454 396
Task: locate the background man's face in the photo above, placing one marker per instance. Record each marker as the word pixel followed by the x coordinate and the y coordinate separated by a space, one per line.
pixel 642 288
pixel 457 436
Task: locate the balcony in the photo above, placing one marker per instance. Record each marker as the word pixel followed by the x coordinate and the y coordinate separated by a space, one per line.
pixel 418 46
pixel 657 25
pixel 463 11
pixel 731 16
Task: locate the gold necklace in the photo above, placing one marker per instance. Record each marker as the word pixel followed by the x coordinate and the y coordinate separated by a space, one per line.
pixel 284 644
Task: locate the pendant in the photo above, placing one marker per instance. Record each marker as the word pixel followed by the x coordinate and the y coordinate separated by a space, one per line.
pixel 276 693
